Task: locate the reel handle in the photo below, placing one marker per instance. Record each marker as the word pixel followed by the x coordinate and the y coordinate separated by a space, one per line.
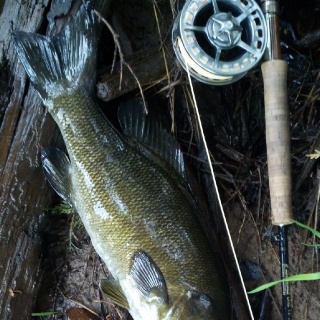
pixel 274 74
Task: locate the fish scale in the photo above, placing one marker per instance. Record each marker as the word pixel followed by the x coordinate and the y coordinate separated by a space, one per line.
pixel 139 217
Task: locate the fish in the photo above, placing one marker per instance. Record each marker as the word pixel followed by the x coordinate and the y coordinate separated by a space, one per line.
pixel 128 187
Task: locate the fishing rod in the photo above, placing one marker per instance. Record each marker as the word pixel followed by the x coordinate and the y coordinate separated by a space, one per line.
pixel 274 72
pixel 218 42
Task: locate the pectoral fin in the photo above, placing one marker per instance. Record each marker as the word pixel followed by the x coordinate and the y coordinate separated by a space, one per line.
pixel 148 278
pixel 57 169
pixel 112 290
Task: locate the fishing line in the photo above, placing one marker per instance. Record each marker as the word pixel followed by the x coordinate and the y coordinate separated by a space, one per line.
pixel 216 188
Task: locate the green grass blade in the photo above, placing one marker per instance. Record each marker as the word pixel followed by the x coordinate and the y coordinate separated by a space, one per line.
pixel 315 232
pixel 297 277
pixel 43 314
pixel 312 245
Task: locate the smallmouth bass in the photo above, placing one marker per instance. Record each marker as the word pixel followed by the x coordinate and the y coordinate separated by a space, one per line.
pixel 140 220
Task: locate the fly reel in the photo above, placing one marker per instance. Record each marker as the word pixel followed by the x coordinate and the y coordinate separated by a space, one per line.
pixel 219 40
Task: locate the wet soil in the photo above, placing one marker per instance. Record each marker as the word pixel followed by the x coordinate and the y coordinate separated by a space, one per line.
pixel 63 271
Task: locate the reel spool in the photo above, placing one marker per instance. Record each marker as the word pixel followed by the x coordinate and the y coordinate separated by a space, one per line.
pixel 220 40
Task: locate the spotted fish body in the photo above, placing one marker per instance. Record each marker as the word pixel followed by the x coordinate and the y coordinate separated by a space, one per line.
pixel 141 222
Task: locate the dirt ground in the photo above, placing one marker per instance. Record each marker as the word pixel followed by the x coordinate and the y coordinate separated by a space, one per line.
pixel 233 119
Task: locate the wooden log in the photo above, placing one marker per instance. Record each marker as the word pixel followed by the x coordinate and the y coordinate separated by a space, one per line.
pixel 148 68
pixel 139 40
pixel 21 182
pixel 25 127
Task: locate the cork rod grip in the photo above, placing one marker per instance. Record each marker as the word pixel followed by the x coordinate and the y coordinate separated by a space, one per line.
pixel 278 140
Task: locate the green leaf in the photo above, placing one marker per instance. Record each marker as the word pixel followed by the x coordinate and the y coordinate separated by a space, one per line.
pixel 297 277
pixel 44 314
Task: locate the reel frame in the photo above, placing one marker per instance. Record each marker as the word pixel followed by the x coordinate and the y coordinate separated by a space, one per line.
pixel 219 40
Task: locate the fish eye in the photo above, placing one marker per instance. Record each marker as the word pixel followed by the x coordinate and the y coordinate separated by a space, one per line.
pixel 200 301
pixel 197 305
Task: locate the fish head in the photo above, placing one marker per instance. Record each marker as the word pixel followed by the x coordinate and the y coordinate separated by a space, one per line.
pixel 192 305
pixel 149 296
pixel 154 297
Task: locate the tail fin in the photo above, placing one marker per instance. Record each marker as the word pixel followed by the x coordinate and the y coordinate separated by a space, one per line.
pixel 64 62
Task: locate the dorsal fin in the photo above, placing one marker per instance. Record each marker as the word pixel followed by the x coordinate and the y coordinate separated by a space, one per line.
pixel 140 128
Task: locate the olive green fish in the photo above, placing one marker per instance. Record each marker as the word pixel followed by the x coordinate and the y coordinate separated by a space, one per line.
pixel 140 220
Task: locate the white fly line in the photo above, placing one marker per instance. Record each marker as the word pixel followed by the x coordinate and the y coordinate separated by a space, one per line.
pixel 216 188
